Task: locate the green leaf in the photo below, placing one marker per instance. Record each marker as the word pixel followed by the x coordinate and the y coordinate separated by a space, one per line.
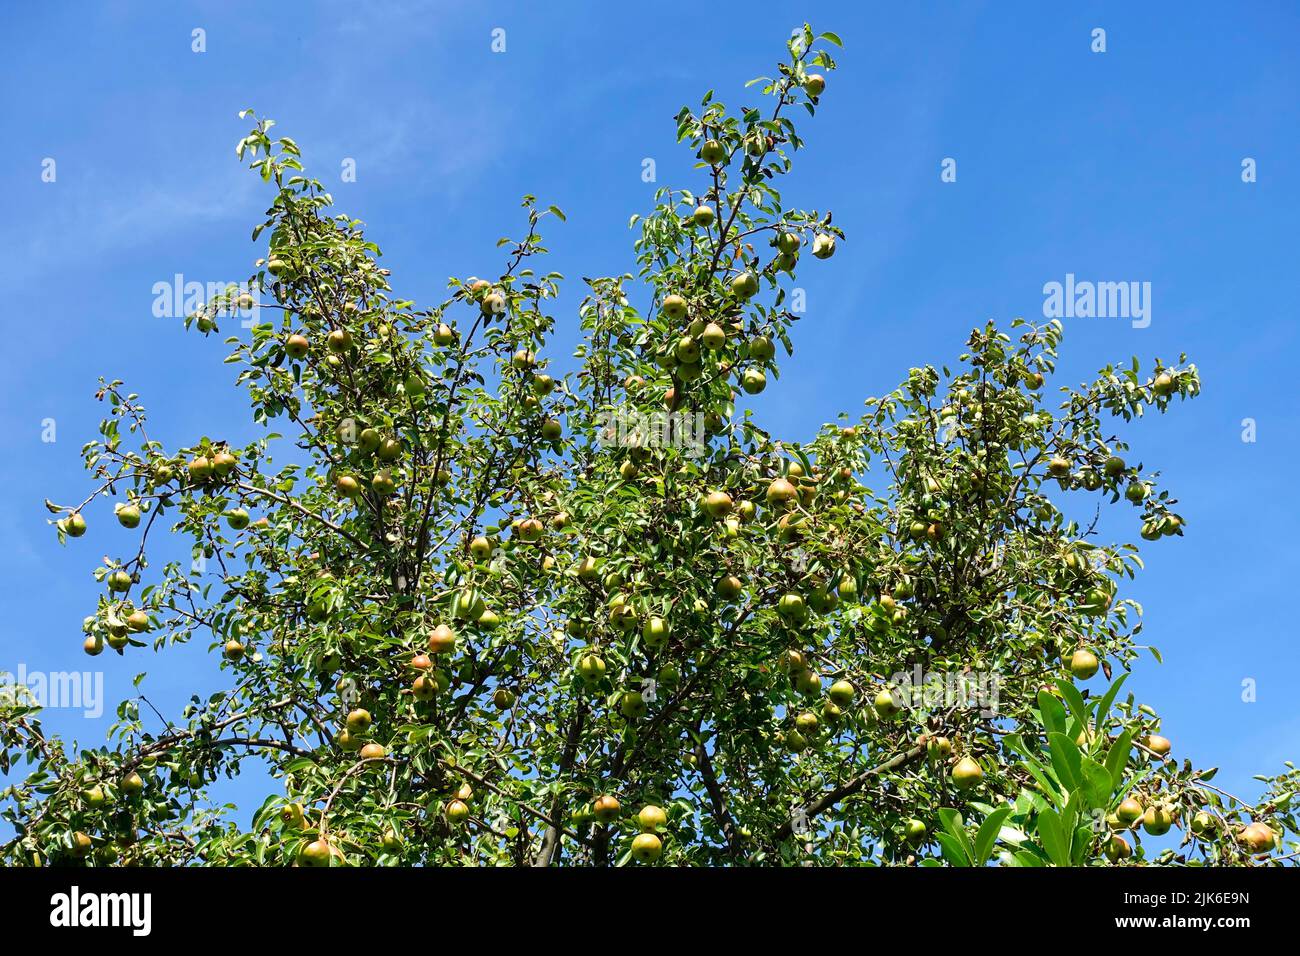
pixel 1053 837
pixel 952 823
pixel 1097 783
pixel 1078 707
pixel 1103 708
pixel 988 834
pixel 953 851
pixel 1052 712
pixel 1117 757
pixel 1065 760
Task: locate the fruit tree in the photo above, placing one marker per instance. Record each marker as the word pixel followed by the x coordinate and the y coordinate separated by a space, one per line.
pixel 475 609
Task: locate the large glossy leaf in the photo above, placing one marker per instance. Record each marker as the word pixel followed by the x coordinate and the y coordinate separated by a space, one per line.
pixel 1053 837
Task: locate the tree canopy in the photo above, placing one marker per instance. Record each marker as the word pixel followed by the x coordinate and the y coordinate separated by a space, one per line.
pixel 480 613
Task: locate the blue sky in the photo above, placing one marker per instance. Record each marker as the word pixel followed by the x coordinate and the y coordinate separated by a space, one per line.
pixel 1115 166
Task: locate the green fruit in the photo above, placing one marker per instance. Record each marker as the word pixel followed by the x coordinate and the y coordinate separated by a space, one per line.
pixel 814 84
pixel 753 381
pixel 425 687
pixel 781 492
pixel 717 504
pixel 808 682
pixel 316 853
pixel 1258 837
pixel 745 285
pixel 1114 466
pixel 823 246
pixel 237 518
pixel 646 848
pixel 713 337
pixel 606 808
pixel 1083 664
pixel 591 668
pixel 966 774
pixel 128 516
pixel 1163 385
pixel 358 720
pixel 119 581
pixel 1159 745
pixel 338 341
pixel 75 525
pixel 655 633
pixel 822 600
pixel 687 350
pixel 1117 848
pixel 792 608
pixel 885 705
pixel 1157 820
pixel 713 152
pixel 200 469
pixel 703 216
pixel 633 705
pixel 761 348
pixel 297 346
pixel 442 639
pixel 842 693
pixel 729 587
pixel 1130 810
pixel 914 831
pixel 132 784
pixel 502 699
pixel 651 818
pixel 674 307
pixel 1097 602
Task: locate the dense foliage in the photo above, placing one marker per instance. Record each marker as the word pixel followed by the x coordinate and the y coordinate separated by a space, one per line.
pixel 481 614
